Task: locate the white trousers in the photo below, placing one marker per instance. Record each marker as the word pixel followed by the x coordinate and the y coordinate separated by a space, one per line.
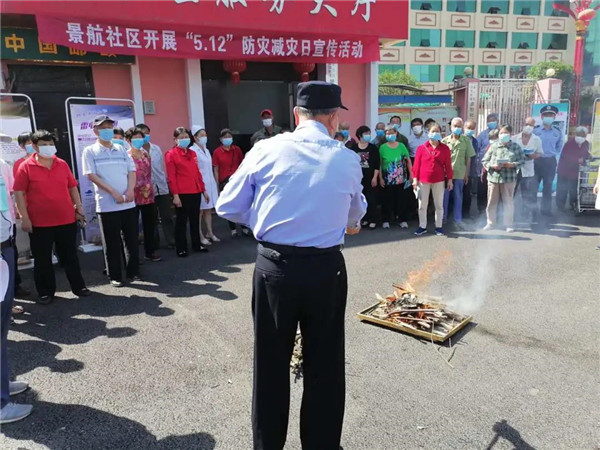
pixel 437 189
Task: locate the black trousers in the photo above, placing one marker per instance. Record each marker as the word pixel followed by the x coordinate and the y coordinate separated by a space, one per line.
pixel 148 213
pixel 164 207
pixel 482 190
pixel 111 226
pixel 189 211
pixel 566 187
pixel 394 203
pixel 372 196
pixel 16 252
pixel 309 290
pixel 64 237
pixel 545 170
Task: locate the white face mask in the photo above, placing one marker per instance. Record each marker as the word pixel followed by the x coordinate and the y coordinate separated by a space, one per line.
pixel 579 139
pixel 527 129
pixel 202 140
pixel 47 151
pixel 267 122
pixel 417 129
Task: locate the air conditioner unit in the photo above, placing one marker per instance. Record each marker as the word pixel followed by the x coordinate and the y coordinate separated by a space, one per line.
pixel 526 11
pixel 459 44
pixel 491 45
pixel 425 43
pixel 494 10
pixel 524 45
pixel 425 6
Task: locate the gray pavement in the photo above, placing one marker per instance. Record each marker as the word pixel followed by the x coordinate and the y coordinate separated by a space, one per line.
pixel 167 363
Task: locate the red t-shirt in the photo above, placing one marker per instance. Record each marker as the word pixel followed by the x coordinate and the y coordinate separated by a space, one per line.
pixel 227 161
pixel 183 173
pixel 432 164
pixel 49 203
pixel 18 163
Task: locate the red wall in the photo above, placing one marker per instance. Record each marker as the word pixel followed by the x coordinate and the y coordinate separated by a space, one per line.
pixel 163 81
pixel 112 81
pixel 353 80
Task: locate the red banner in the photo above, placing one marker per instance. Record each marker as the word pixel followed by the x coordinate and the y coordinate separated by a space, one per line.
pixel 379 18
pixel 205 42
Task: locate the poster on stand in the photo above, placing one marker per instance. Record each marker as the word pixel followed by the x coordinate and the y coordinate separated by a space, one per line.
pixel 15 118
pixel 82 132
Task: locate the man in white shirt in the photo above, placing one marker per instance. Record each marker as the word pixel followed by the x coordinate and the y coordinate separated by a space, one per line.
pixel 112 171
pixel 528 187
pixel 162 198
pixel 417 137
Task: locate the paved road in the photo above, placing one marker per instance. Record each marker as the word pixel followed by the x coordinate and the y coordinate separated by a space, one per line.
pixel 167 364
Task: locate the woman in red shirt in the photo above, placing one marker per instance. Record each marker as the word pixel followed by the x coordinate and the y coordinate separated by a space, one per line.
pixel 226 160
pixel 431 170
pixel 49 204
pixel 186 185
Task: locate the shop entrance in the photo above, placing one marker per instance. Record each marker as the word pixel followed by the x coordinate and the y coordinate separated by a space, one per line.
pixel 238 106
pixel 49 87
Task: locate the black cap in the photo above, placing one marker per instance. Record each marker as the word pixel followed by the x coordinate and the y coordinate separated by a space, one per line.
pixel 549 109
pixel 99 120
pixel 319 95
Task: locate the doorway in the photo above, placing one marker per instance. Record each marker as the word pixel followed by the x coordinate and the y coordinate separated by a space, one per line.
pixel 49 87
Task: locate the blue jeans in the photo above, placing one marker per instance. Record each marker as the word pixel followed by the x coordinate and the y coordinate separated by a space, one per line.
pixel 457 198
pixel 8 254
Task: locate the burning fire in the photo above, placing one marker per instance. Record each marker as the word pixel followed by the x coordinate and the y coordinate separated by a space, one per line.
pixel 419 280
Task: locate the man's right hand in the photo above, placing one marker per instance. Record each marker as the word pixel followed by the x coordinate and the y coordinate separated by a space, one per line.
pixel 26 224
pixel 450 185
pixel 118 197
pixel 352 231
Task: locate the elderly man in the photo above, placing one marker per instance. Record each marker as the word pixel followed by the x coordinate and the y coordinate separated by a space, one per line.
pixel 484 137
pixel 345 131
pixel 576 151
pixel 471 187
pixel 396 121
pixel 545 166
pixel 379 137
pixel 268 129
pixel 461 151
pixel 300 276
pixel 527 186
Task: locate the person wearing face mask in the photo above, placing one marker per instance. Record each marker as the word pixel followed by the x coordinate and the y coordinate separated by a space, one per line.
pixel 470 188
pixel 527 186
pixel 396 122
pixel 300 193
pixel 379 137
pixel 484 137
pixel 205 164
pixel 345 130
pixel 462 151
pixel 574 154
pixel 119 138
pixel 187 186
pixel 112 171
pixel 502 162
pixel 226 160
pixel 269 129
pixel 49 204
pixel 433 167
pixel 395 172
pixel 417 137
pixel 369 162
pixel 143 191
pixel 545 166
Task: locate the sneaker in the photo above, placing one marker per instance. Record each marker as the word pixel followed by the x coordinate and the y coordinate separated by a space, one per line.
pixel 154 257
pixel 134 279
pixel 364 223
pixel 234 233
pixel 85 292
pixel 439 232
pixel 510 230
pixel 488 227
pixel 372 226
pixel 13 412
pixel 246 232
pixel 420 231
pixel 460 226
pixel 16 387
pixel 205 241
pixel 182 254
pixel 116 283
pixel 45 299
pixel 385 225
pixel 17 310
pixel 200 249
pixel 403 225
pixel 214 238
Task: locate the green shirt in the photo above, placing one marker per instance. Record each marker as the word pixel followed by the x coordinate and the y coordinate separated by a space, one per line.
pixel 462 151
pixel 510 152
pixel 393 164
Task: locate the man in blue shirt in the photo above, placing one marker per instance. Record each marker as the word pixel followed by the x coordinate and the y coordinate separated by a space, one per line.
pixel 545 166
pixel 470 189
pixel 300 193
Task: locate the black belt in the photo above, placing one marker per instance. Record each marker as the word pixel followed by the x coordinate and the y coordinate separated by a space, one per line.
pixel 6 244
pixel 277 251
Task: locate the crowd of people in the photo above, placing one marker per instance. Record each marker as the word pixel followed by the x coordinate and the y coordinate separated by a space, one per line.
pixel 133 178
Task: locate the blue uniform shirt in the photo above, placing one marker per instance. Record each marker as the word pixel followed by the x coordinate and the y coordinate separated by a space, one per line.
pixel 483 139
pixel 552 141
pixel 475 167
pixel 301 189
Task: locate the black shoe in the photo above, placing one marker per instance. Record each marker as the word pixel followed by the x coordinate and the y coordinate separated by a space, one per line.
pixel 201 249
pixel 45 299
pixel 21 292
pixel 85 292
pixel 182 254
pixel 134 278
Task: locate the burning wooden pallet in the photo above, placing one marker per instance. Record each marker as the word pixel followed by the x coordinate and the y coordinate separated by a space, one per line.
pixel 415 313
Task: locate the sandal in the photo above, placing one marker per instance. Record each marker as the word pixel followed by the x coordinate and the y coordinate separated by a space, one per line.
pixel 17 310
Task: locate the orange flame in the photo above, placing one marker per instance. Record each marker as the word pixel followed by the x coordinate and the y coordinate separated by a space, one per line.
pixel 418 280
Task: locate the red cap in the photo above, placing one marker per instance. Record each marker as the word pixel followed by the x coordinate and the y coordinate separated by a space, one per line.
pixel 266 111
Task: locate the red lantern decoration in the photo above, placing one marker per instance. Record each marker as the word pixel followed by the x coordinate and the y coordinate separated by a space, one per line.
pixel 304 69
pixel 234 67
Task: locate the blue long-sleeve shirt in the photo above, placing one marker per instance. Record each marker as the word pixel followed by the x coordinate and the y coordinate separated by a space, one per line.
pixel 475 167
pixel 301 189
pixel 552 141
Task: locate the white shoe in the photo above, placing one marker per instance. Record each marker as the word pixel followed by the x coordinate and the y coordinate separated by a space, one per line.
pixel 488 227
pixel 510 230
pixel 13 412
pixel 385 225
pixel 16 387
pixel 205 241
pixel 214 238
pixel 234 233
pixel 372 226
pixel 403 225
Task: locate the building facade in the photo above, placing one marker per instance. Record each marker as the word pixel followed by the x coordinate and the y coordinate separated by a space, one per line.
pixel 495 38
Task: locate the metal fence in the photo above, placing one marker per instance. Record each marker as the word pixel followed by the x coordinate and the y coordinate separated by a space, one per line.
pixel 510 98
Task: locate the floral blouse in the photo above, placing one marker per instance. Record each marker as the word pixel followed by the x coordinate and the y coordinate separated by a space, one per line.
pixel 144 193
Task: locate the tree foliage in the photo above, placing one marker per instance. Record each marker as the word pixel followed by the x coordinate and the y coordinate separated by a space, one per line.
pixel 396 77
pixel 564 72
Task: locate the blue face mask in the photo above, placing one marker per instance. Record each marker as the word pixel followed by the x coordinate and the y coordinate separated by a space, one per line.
pixel 106 134
pixel 391 137
pixel 380 133
pixel 492 125
pixel 29 149
pixel 345 133
pixel 120 142
pixel 183 142
pixel 138 142
pixel 227 141
pixel 146 138
pixel 435 136
pixel 504 138
pixel 457 131
pixel 470 133
pixel 396 126
pixel 547 120
pixel 366 138
pixel 4 206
